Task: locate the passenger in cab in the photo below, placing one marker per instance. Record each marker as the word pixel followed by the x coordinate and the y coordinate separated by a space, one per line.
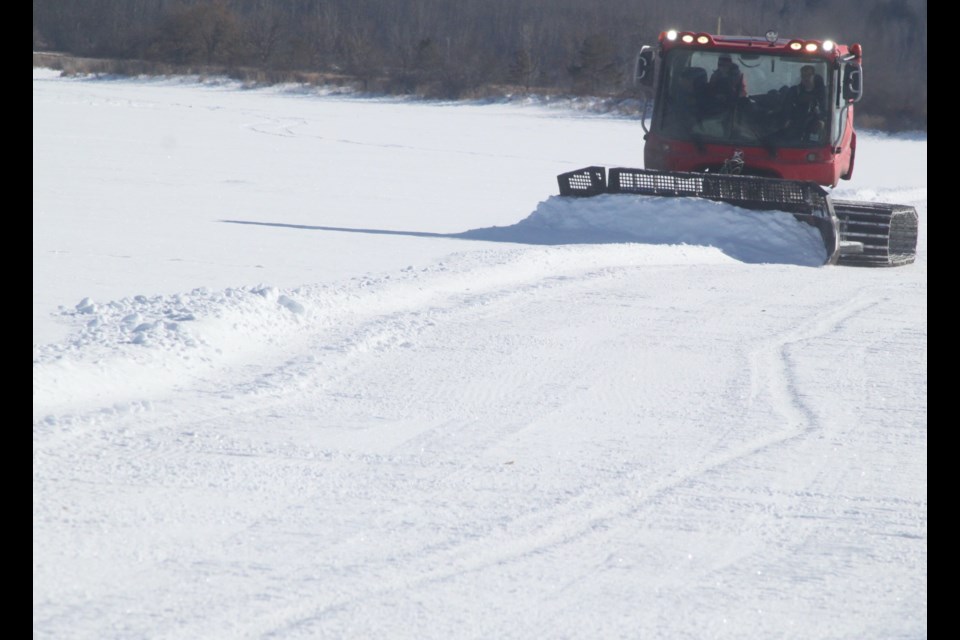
pixel 806 106
pixel 726 85
pixel 688 102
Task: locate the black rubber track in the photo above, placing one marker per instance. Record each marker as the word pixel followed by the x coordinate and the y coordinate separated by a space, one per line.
pixel 888 233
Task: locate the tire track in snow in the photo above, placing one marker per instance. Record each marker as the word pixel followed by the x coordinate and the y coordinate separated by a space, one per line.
pixel 771 373
pixel 377 320
pixel 547 530
pixel 360 325
pixel 580 517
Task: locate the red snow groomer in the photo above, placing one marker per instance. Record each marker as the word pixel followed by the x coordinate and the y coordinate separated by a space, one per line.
pixel 763 123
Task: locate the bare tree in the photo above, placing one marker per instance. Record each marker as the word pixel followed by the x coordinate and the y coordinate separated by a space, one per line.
pixel 450 48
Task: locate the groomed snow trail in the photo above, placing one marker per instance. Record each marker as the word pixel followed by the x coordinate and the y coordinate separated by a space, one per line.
pixel 317 366
pixel 500 418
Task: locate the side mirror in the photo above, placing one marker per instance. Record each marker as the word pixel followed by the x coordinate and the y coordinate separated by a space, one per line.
pixel 645 67
pixel 852 81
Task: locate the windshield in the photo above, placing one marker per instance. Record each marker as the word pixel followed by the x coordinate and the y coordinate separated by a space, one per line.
pixel 745 98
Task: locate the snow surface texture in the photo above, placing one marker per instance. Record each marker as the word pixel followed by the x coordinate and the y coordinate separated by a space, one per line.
pixel 311 365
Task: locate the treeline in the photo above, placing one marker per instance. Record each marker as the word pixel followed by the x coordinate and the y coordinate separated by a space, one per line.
pixel 467 48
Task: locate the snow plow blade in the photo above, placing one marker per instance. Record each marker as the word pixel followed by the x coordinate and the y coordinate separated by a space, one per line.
pixel 807 201
pixel 854 233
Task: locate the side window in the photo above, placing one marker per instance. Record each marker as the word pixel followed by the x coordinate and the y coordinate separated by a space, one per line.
pixel 837 112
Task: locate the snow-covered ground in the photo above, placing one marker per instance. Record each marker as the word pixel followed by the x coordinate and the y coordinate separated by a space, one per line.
pixel 311 365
